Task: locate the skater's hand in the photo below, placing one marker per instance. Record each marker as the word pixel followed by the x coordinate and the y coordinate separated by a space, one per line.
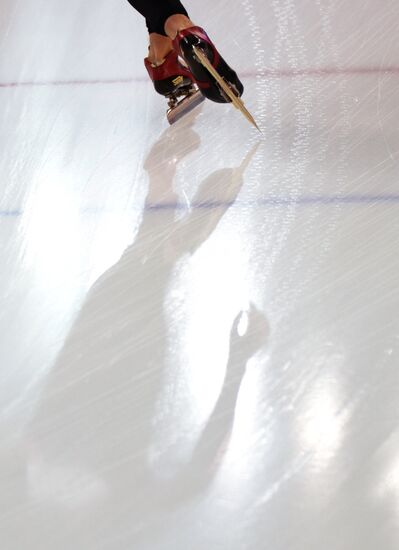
pixel 249 333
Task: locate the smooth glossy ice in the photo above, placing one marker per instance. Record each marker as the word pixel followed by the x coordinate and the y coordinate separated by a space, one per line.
pixel 199 331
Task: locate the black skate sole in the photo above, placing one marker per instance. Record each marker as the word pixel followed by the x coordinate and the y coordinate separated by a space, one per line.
pixel 205 81
pixel 171 85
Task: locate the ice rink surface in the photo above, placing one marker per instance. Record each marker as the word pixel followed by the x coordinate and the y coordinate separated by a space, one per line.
pixel 200 324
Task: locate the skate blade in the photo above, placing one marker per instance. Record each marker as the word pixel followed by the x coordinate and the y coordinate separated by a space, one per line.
pixel 184 106
pixel 236 101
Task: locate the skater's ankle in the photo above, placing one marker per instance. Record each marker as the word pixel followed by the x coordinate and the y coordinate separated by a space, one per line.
pixel 176 23
pixel 155 62
pixel 160 47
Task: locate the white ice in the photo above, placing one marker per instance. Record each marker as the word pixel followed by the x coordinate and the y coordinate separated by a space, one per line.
pixel 199 325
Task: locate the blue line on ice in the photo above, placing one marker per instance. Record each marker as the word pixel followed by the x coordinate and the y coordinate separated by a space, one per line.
pixel 10 213
pixel 266 202
pixel 279 201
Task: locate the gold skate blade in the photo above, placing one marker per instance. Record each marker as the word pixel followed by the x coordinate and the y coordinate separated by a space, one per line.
pixel 236 101
pixel 184 106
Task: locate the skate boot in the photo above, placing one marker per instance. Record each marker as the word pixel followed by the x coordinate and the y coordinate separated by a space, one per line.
pixel 187 43
pixel 174 81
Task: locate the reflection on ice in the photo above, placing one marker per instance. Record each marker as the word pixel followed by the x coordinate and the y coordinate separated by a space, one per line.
pixel 198 337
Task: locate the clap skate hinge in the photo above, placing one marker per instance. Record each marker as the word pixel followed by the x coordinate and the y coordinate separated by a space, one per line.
pixel 183 102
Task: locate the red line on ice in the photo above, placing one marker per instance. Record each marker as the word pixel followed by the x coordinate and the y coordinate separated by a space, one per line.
pixel 268 73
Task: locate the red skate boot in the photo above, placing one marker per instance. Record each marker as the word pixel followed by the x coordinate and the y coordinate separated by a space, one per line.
pixel 213 76
pixel 184 44
pixel 174 81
